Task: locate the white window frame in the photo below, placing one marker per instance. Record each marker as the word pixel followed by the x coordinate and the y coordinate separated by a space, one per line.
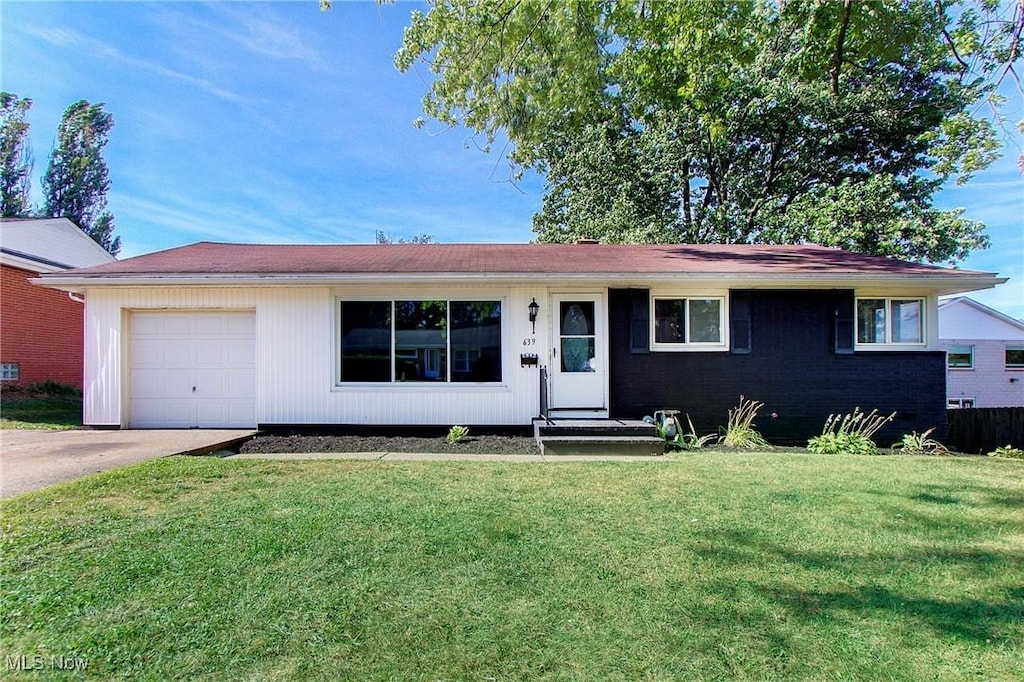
pixel 960 403
pixel 691 346
pixel 960 368
pixel 1006 365
pixel 393 383
pixel 888 344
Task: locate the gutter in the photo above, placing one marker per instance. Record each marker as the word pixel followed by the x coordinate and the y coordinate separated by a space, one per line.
pixel 946 282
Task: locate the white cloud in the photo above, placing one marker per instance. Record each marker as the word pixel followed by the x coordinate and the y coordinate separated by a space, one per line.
pixel 71 39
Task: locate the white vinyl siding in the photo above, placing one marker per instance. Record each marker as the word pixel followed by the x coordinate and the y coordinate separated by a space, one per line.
pixel 296 356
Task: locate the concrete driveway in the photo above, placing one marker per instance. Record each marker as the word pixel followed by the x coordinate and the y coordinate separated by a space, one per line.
pixel 30 460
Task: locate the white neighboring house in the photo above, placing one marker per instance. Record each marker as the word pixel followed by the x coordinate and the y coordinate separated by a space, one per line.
pixel 984 355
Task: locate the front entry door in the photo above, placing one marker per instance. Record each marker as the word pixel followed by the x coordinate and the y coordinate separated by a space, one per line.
pixel 578 357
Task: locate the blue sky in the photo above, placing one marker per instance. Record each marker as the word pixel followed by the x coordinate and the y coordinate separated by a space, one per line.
pixel 276 122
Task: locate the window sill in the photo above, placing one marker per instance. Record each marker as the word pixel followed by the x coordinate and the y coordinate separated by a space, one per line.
pixel 690 348
pixel 869 347
pixel 422 386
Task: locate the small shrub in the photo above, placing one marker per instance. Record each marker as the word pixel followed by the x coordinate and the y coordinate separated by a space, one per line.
pixel 688 441
pixel 1007 451
pixel 849 434
pixel 914 443
pixel 457 434
pixel 740 431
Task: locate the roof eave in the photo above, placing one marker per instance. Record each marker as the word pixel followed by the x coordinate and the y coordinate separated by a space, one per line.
pixel 941 283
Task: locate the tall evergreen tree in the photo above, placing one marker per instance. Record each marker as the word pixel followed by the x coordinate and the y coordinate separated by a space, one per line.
pixel 15 157
pixel 76 181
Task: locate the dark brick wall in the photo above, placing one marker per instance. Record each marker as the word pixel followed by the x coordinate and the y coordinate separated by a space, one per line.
pixel 791 367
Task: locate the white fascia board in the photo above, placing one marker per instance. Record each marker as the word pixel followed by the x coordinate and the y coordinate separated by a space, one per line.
pixel 939 284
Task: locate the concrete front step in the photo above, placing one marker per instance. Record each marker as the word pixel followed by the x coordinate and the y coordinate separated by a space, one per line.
pixel 597 437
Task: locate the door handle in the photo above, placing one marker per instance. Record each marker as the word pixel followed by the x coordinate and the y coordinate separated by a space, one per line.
pixel 554 352
pixel 193 389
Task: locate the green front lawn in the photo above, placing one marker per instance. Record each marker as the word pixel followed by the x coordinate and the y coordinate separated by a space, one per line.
pixel 41 406
pixel 711 566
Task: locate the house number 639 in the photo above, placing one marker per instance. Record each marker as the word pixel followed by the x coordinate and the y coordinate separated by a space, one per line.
pixel 530 341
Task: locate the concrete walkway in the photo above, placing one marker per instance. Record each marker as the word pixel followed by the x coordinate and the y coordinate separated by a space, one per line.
pixel 30 460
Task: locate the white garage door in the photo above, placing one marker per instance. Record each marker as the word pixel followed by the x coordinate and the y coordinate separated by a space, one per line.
pixel 192 370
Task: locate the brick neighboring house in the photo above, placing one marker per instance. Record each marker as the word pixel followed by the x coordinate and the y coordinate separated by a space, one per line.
pixel 42 330
pixel 984 355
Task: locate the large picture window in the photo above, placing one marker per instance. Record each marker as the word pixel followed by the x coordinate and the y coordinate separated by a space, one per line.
pixel 890 321
pixel 687 322
pixel 420 341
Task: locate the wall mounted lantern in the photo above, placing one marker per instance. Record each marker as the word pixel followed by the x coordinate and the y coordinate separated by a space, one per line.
pixel 533 314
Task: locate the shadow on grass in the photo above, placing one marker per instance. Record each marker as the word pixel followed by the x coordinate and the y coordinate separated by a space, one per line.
pixel 958 614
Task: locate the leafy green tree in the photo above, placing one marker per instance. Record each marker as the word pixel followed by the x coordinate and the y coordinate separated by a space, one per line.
pixel 731 121
pixel 77 180
pixel 15 157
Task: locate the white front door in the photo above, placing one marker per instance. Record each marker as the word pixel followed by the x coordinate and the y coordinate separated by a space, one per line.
pixel 579 357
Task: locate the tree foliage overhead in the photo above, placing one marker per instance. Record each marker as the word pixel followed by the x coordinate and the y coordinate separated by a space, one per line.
pixel 15 157
pixel 77 180
pixel 822 121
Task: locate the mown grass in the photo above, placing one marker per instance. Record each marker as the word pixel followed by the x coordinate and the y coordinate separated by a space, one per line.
pixel 711 566
pixel 46 406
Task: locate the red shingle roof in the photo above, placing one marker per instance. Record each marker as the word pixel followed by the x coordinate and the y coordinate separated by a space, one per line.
pixel 208 258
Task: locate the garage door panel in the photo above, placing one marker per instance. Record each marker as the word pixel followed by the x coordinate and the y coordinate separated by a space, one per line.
pixel 212 413
pixel 242 325
pixel 161 413
pixel 174 351
pixel 220 383
pixel 235 353
pixel 156 383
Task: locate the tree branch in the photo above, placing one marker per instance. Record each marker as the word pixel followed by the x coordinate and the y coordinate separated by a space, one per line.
pixel 837 55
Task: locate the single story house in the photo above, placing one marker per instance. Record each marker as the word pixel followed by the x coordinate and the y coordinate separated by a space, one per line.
pixel 244 335
pixel 41 330
pixel 984 354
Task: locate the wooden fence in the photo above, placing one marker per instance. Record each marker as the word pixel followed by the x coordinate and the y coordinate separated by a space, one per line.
pixel 983 429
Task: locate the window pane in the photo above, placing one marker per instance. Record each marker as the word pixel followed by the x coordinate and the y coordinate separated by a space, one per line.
pixel 577 318
pixel 960 356
pixel 705 320
pixel 1015 356
pixel 669 324
pixel 421 343
pixel 578 354
pixel 907 324
pixel 366 341
pixel 871 320
pixel 476 340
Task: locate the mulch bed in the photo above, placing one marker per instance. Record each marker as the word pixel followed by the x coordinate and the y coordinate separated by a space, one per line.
pixel 485 444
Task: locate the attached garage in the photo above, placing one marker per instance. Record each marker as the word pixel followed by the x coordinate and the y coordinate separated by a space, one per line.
pixel 193 369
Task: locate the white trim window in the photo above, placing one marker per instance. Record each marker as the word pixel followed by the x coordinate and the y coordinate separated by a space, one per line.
pixel 411 341
pixel 688 323
pixel 890 322
pixel 960 357
pixel 959 403
pixel 1014 357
